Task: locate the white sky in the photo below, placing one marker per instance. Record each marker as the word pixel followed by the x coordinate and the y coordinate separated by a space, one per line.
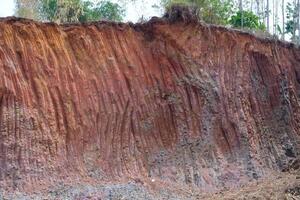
pixel 141 8
pixel 134 10
pixel 6 8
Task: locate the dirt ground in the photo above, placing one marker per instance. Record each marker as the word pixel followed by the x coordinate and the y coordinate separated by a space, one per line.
pixel 282 186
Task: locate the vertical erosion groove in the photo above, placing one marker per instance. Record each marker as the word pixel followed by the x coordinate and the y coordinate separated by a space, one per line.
pixel 181 102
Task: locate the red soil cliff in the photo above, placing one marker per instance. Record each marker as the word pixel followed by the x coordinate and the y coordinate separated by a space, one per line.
pixel 175 101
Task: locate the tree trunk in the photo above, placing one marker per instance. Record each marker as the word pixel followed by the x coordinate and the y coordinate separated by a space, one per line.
pixel 268 15
pixel 274 18
pixel 298 22
pixel 263 10
pixel 258 9
pixel 283 20
pixel 241 10
pixel 294 21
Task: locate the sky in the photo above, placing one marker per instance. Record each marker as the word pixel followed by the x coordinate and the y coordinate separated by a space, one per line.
pixel 134 10
pixel 6 8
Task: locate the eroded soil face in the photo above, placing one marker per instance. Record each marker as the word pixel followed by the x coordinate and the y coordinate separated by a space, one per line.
pixel 174 104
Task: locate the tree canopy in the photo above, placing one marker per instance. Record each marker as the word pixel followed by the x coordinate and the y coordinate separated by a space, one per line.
pixel 246 19
pixel 210 11
pixel 68 11
pixel 102 10
pixel 226 12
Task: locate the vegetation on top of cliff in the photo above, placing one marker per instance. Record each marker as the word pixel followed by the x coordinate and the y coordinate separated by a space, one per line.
pixel 220 12
pixel 280 18
pixel 69 11
pixel 191 12
pixel 209 11
pixel 277 17
pixel 179 12
pixel 246 19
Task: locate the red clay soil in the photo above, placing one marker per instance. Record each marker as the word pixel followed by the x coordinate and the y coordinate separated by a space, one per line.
pixel 173 101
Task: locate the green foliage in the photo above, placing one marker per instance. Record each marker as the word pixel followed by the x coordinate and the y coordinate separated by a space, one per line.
pixel 61 11
pixel 49 9
pixel 102 10
pixel 291 25
pixel 26 8
pixel 210 11
pixel 246 19
pixel 278 28
pixel 68 11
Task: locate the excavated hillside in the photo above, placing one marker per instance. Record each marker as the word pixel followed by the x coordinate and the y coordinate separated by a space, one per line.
pixel 133 107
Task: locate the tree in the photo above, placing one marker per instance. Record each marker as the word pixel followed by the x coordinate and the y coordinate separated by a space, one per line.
pixel 102 10
pixel 268 15
pixel 298 22
pixel 210 11
pixel 283 20
pixel 246 19
pixel 27 8
pixel 241 9
pixel 257 7
pixel 292 24
pixel 69 11
pixel 65 11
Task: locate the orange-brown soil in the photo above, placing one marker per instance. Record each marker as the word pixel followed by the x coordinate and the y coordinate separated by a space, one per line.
pixel 170 104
